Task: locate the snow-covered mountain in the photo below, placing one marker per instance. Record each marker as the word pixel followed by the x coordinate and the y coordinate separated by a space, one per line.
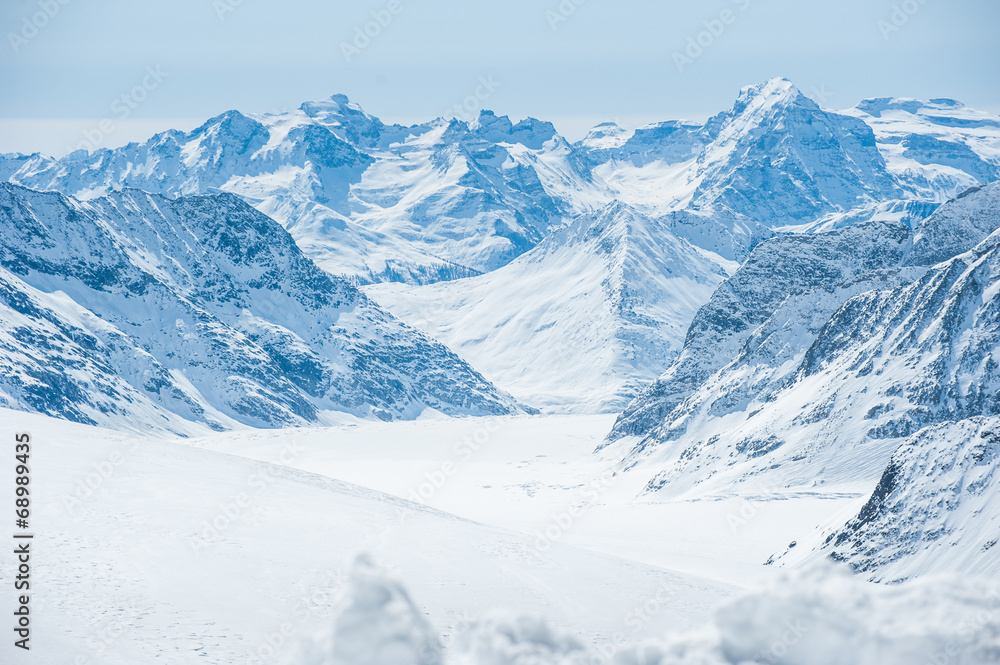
pixel 766 314
pixel 847 360
pixel 453 201
pixel 822 351
pixel 449 199
pixel 581 321
pixel 936 507
pixel 938 148
pixel 137 310
pixel 775 158
pixel 962 224
pixel 377 202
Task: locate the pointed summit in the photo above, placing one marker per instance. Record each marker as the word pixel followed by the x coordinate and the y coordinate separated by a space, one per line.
pixel 777 157
pixel 776 92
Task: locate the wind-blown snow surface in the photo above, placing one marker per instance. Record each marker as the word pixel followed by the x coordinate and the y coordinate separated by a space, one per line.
pixel 580 322
pixel 149 549
pixel 152 550
pixel 819 617
pixel 139 311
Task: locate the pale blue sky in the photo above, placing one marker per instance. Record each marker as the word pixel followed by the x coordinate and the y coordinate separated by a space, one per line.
pixel 607 60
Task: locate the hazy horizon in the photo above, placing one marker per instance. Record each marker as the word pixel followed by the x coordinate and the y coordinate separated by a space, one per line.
pixel 68 64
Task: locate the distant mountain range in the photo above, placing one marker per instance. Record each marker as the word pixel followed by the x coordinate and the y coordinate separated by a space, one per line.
pixel 450 199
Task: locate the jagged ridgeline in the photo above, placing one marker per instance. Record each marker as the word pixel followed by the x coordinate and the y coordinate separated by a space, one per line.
pixel 821 341
pixel 451 198
pixel 857 358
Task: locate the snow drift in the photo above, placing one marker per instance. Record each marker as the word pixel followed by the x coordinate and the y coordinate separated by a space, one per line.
pixel 821 615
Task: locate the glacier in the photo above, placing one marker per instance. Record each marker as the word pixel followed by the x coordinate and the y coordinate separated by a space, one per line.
pixel 698 392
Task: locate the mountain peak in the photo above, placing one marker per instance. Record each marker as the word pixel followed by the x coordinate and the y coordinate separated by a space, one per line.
pixel 606 135
pixel 346 119
pixel 774 92
pixel 232 120
pixel 488 121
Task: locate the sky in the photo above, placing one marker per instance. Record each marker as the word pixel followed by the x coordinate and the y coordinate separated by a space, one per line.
pixel 104 72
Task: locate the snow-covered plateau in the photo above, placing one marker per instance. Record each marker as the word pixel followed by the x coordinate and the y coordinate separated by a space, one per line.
pixel 463 541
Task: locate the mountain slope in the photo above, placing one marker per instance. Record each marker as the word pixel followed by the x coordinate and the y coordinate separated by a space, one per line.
pixel 825 388
pixel 936 507
pixel 169 522
pixel 579 322
pixel 956 227
pixel 777 157
pixel 812 271
pixel 208 310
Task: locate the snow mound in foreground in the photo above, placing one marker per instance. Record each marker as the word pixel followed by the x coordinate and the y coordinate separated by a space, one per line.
pixel 378 624
pixel 505 639
pixel 821 615
pixel 826 616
